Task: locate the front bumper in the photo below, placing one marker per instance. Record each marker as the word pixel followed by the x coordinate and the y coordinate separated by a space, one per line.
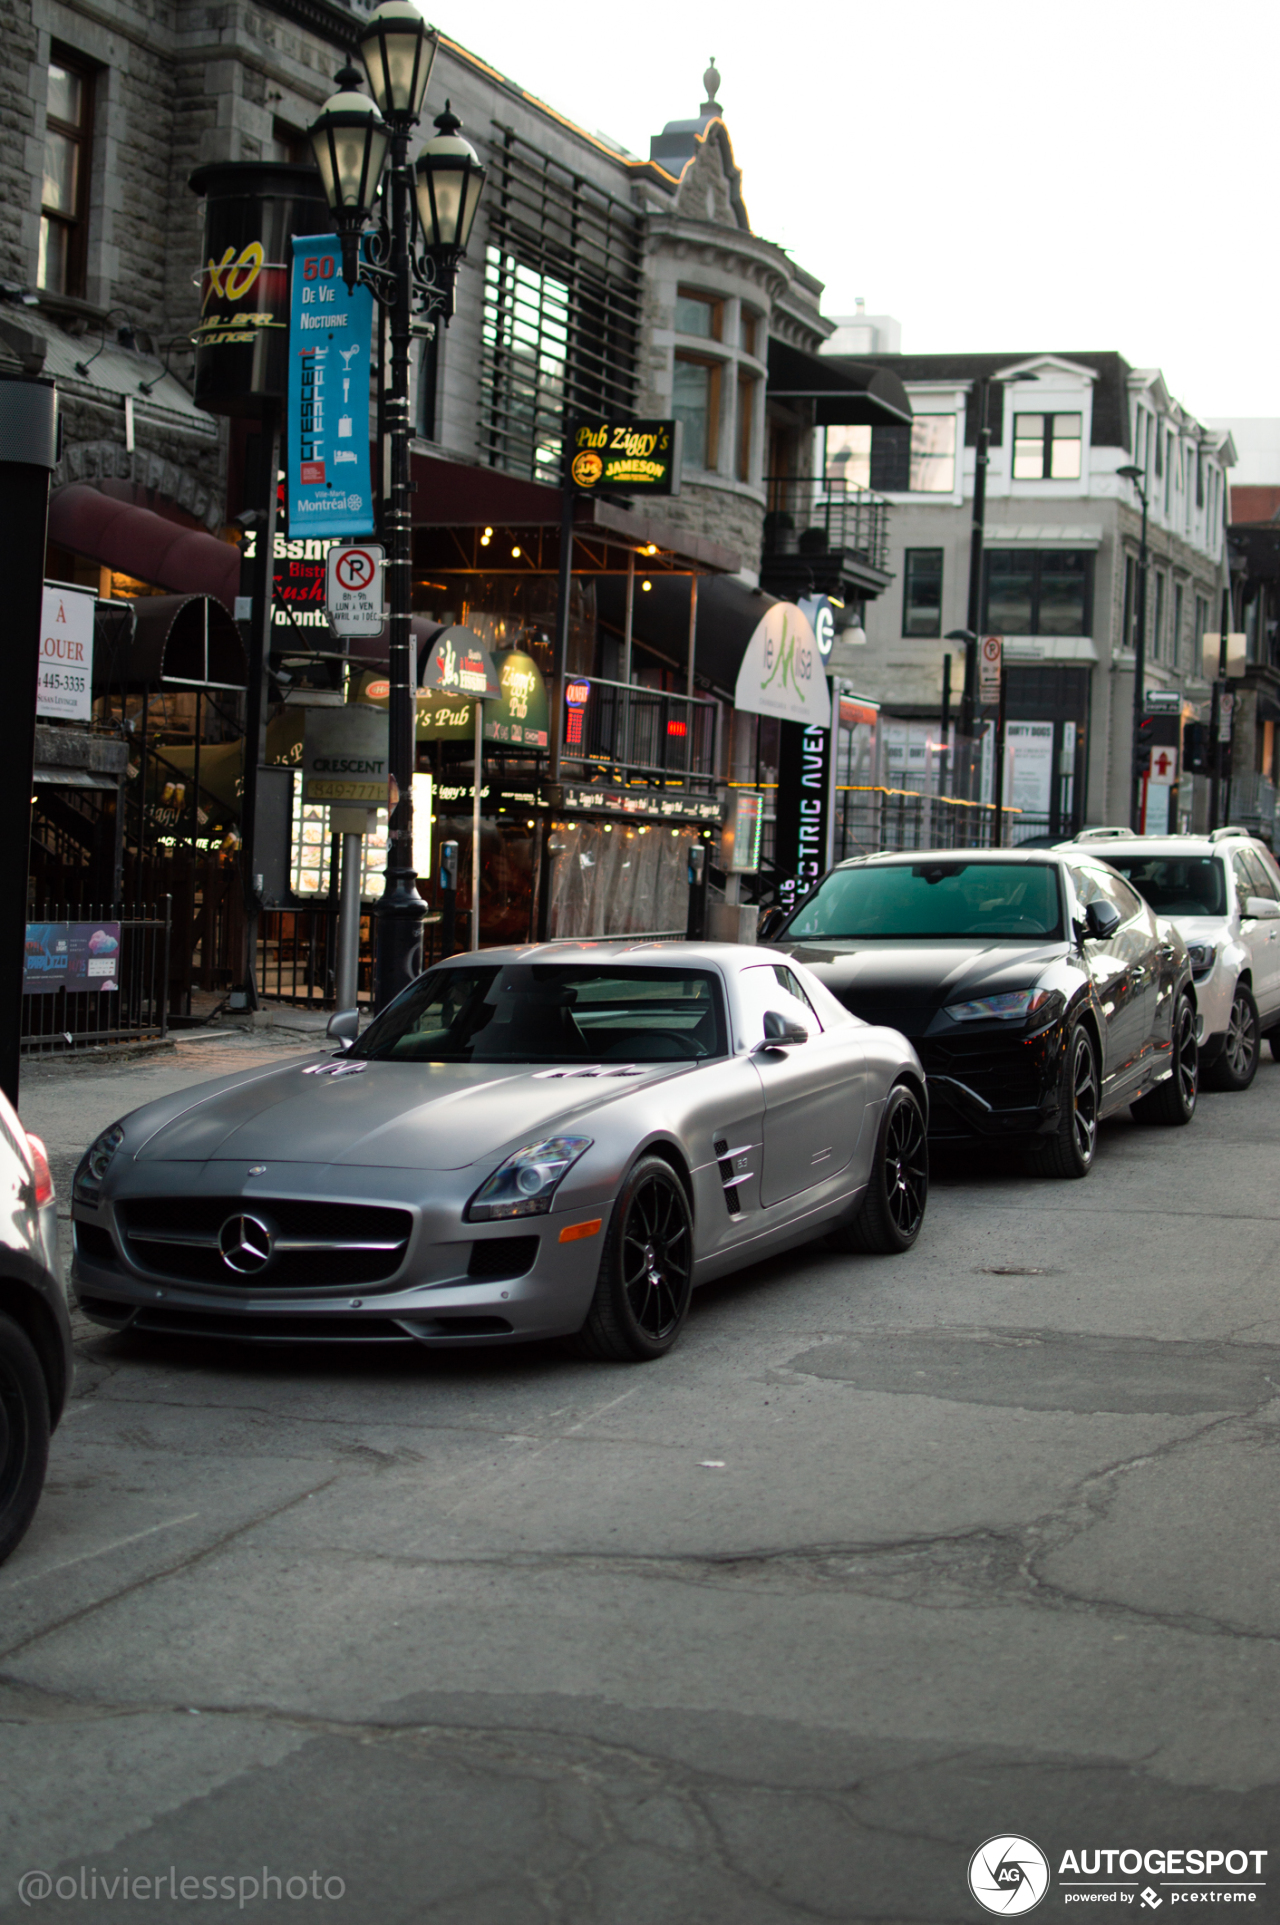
pixel 990 1084
pixel 457 1283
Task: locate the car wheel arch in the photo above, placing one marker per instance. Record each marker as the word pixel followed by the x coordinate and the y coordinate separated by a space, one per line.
pixel 907 1079
pixel 37 1322
pixel 672 1154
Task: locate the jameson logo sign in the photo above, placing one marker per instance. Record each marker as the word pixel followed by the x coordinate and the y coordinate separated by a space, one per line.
pixel 629 457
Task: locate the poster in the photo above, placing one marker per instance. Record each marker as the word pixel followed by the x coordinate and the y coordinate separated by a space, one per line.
pixel 65 685
pixel 1029 746
pixel 74 956
pixel 330 340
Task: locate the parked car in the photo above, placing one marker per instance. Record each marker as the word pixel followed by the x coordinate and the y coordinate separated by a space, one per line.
pixel 1222 892
pixel 35 1330
pixel 526 1143
pixel 1038 989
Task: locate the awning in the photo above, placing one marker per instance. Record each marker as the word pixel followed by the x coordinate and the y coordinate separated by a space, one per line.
pixel 180 642
pixel 136 542
pixel 844 396
pixel 728 614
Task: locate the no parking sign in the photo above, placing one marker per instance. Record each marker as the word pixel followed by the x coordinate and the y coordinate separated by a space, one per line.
pixel 353 589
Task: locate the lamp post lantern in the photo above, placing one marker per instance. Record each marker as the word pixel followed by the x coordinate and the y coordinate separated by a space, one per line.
pixel 1139 480
pixel 412 246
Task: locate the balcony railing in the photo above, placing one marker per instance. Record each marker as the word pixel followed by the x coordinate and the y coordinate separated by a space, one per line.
pixel 640 732
pixel 810 516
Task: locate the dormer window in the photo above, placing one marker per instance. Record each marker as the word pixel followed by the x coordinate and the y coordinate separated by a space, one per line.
pixel 1046 447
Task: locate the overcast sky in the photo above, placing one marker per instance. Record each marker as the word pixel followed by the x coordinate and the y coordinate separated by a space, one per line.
pixel 994 175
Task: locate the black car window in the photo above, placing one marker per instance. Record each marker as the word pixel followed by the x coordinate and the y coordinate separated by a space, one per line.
pixel 1177 885
pixel 941 896
pixel 551 1013
pixel 1244 882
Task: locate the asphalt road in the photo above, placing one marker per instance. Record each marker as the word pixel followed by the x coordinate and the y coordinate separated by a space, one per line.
pixel 889 1557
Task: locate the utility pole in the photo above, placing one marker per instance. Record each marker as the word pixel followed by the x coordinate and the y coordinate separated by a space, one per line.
pixel 1139 480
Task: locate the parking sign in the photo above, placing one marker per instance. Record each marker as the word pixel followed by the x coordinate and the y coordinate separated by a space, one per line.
pixel 353 589
pixel 990 657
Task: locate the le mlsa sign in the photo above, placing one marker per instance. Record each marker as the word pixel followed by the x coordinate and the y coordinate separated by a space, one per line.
pixel 64 688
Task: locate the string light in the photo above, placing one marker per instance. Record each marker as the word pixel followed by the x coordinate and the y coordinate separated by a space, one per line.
pixel 646 586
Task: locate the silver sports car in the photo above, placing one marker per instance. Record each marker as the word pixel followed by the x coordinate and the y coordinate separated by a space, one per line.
pixel 527 1143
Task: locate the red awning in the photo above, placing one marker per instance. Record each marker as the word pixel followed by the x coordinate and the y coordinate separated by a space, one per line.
pixel 136 542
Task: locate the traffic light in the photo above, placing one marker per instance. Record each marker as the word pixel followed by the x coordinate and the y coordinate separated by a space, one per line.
pixel 1143 736
pixel 1197 755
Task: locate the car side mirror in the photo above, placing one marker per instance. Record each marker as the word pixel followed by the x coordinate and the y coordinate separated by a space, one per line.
pixel 780 1032
pixel 344 1026
pixel 771 920
pixel 1262 908
pixel 1101 919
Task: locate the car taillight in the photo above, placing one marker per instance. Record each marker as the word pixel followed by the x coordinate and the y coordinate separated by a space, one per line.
pixel 43 1174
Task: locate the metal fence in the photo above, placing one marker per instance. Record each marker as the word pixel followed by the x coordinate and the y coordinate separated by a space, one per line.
pixel 55 1021
pixel 297 954
pixel 644 730
pixel 870 819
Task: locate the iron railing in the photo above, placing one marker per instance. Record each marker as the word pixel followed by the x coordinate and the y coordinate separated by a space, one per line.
pixel 810 515
pixel 297 954
pixel 642 731
pixel 871 819
pixel 55 1021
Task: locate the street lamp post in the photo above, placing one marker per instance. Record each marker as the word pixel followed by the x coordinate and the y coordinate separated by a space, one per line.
pixel 352 137
pixel 1139 480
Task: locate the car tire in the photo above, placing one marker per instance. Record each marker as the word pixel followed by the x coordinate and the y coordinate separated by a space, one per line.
pixel 1236 1064
pixel 646 1269
pixel 24 1433
pixel 1173 1102
pixel 892 1210
pixel 1071 1149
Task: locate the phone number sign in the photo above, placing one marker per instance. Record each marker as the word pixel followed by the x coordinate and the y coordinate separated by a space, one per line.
pixel 65 685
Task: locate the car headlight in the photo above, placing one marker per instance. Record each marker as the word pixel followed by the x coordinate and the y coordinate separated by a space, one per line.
pixel 1012 1006
pixel 96 1161
pixel 525 1184
pixel 1202 956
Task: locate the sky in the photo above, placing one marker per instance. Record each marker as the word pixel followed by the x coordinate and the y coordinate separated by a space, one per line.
pixel 996 176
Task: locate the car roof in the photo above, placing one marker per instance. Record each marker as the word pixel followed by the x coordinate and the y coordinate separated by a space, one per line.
pixel 897 858
pixel 1188 845
pixel 620 949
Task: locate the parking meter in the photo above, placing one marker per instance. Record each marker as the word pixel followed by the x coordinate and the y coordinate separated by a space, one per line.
pixel 448 895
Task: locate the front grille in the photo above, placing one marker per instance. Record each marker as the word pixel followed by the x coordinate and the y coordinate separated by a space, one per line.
pixel 215 1323
pixel 314 1245
pixel 93 1242
pixel 1006 1074
pixel 499 1258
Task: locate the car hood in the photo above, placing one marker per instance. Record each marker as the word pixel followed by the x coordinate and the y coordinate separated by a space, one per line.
pixel 395 1116
pixel 903 985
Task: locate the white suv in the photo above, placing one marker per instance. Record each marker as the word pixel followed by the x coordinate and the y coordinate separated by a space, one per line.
pixel 1222 893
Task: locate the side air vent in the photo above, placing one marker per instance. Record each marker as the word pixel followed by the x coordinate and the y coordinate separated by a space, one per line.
pixel 721 1148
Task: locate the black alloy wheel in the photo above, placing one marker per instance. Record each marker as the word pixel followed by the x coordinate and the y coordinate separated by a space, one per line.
pixel 1237 1065
pixel 1173 1102
pixel 1070 1150
pixel 893 1205
pixel 24 1433
pixel 646 1271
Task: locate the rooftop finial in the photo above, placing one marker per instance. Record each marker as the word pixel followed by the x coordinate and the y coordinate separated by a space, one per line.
pixel 711 81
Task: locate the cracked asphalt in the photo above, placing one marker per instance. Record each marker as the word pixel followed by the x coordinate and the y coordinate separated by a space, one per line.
pixel 889 1556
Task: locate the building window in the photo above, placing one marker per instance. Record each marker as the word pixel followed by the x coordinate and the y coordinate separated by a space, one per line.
pixel 1046 447
pixel 1197 639
pixel 1033 591
pixel 748 332
pixel 1130 601
pixel 919 459
pixel 290 144
pixel 1157 633
pixel 1175 639
pixel 922 592
pixel 562 294
pixel 699 314
pixel 847 458
pixel 64 196
pixel 746 424
pixel 696 402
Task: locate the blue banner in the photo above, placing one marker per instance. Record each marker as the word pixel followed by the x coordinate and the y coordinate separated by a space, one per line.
pixel 330 343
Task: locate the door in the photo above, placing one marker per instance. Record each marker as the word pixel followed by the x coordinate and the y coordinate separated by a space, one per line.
pixel 1260 936
pixel 1125 975
pixel 814 1092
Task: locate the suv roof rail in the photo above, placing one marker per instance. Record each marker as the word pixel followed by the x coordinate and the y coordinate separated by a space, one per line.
pixel 1216 835
pixel 1101 835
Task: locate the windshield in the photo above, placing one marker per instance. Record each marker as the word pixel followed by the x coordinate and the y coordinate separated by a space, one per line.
pixel 934 898
pixel 1176 885
pixel 551 1013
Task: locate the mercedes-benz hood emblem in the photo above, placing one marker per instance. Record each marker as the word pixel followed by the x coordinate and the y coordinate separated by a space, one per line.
pixel 245 1243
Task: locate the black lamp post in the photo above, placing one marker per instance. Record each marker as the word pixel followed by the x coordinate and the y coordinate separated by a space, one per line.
pixel 405 270
pixel 1139 480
